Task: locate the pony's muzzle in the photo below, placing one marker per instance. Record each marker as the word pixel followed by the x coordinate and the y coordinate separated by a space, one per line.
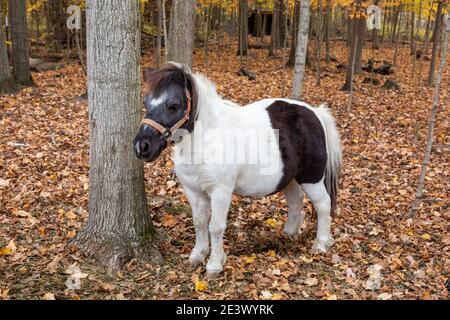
pixel 142 148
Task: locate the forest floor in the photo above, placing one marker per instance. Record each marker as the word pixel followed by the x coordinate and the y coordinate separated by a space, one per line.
pixel 379 253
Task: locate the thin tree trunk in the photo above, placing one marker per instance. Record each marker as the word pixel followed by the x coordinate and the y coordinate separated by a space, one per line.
pixel 275 30
pixel 327 33
pixel 207 33
pixel 19 37
pixel 166 37
pixel 397 39
pixel 118 226
pixel 295 23
pixel 436 40
pixel 318 41
pixel 181 36
pixel 431 125
pixel 355 47
pixel 7 83
pixel 302 49
pixel 158 32
pixel 243 28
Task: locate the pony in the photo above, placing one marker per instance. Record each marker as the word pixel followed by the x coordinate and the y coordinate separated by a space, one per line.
pixel 301 155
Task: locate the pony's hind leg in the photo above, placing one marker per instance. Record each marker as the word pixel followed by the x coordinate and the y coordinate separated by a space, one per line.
pixel 318 195
pixel 201 213
pixel 294 198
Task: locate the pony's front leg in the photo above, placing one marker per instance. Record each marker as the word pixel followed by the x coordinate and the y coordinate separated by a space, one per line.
pixel 201 213
pixel 220 203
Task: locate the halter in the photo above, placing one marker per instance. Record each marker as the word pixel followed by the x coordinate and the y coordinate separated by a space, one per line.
pixel 166 133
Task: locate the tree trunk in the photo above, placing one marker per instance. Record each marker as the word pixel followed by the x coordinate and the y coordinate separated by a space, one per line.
pixel 7 84
pixel 431 125
pixel 412 39
pixel 119 226
pixel 295 23
pixel 166 37
pixel 56 21
pixel 318 40
pixel 436 40
pixel 281 21
pixel 19 37
pixel 302 49
pixel 327 33
pixel 243 28
pixel 355 53
pixel 158 33
pixel 275 30
pixel 181 33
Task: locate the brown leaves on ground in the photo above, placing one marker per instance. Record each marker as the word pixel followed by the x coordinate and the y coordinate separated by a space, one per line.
pixel 379 254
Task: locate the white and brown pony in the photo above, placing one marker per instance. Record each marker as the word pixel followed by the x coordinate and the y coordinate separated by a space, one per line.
pixel 222 149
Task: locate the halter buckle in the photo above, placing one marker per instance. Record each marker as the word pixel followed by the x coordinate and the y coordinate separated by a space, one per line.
pixel 167 134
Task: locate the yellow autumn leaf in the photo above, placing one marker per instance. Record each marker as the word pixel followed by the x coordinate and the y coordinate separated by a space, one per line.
pixel 271 253
pixel 200 286
pixel 271 222
pixel 426 237
pixel 9 249
pixel 277 296
pixel 250 260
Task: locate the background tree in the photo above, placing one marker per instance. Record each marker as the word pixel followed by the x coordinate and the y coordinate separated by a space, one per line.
pixel 19 37
pixel 358 22
pixel 181 33
pixel 436 41
pixel 119 226
pixel 7 83
pixel 243 28
pixel 302 49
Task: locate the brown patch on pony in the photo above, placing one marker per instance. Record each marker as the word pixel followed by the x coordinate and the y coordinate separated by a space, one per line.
pixel 302 143
pixel 157 80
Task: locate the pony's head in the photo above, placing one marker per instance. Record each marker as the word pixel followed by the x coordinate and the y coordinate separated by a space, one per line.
pixel 170 100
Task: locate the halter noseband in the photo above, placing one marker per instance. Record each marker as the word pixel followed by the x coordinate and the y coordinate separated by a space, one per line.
pixel 166 133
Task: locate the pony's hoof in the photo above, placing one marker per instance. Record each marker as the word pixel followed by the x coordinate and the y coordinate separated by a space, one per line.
pixel 212 275
pixel 292 233
pixel 213 269
pixel 322 246
pixel 196 259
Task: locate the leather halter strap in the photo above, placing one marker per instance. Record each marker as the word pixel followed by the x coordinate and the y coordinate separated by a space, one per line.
pixel 166 133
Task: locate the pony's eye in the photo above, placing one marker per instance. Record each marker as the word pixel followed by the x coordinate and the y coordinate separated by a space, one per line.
pixel 173 107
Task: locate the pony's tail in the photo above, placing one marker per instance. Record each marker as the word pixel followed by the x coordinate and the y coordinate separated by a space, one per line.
pixel 334 159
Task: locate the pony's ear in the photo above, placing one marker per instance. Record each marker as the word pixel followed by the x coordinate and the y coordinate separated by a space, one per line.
pixel 148 72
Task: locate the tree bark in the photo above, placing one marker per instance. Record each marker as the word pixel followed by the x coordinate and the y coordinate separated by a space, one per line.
pixel 302 49
pixel 7 83
pixel 327 33
pixel 181 33
pixel 431 125
pixel 119 226
pixel 355 52
pixel 436 40
pixel 158 32
pixel 243 28
pixel 19 37
pixel 295 23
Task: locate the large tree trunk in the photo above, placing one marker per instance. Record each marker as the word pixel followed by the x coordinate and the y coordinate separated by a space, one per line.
pixel 181 33
pixel 436 40
pixel 7 84
pixel 119 226
pixel 19 37
pixel 302 49
pixel 243 28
